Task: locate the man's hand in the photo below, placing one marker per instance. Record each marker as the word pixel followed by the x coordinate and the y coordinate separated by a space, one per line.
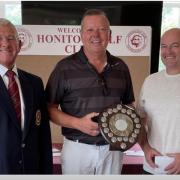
pixel 174 167
pixel 150 154
pixel 88 126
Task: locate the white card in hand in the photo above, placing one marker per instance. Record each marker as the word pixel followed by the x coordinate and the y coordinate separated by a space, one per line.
pixel 162 162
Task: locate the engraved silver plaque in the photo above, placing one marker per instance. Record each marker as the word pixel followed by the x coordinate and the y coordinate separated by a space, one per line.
pixel 120 125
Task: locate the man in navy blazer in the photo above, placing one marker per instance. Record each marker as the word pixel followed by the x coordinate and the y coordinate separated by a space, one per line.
pixel 25 148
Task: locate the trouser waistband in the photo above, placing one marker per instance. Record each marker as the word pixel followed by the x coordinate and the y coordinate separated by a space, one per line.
pixel 100 143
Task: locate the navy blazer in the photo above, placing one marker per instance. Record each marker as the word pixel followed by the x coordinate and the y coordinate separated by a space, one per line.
pixel 28 151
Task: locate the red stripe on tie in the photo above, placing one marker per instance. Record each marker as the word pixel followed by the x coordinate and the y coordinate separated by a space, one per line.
pixel 14 93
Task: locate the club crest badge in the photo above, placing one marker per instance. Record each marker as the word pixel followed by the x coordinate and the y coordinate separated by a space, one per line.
pixel 38 117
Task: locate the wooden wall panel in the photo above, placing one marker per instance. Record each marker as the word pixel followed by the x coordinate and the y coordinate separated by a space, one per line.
pixel 43 65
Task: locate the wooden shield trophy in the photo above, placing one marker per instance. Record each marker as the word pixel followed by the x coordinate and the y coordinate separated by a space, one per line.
pixel 120 125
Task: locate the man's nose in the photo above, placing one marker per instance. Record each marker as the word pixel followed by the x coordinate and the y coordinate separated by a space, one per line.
pixel 96 32
pixel 4 41
pixel 169 49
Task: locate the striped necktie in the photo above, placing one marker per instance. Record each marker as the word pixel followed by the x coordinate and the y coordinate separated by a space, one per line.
pixel 14 93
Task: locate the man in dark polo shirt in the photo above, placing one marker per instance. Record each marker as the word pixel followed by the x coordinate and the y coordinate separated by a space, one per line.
pixel 79 88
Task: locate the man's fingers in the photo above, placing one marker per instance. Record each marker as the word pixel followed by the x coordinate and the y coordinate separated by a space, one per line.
pixel 94 114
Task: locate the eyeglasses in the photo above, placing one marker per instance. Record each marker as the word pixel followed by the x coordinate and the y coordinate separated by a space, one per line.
pixel 103 83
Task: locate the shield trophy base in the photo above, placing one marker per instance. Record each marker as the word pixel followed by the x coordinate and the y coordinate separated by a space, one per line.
pixel 120 126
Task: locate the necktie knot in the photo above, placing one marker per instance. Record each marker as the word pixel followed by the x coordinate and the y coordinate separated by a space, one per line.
pixel 10 74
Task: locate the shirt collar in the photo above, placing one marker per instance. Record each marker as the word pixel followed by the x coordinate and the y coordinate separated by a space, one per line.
pixel 84 59
pixel 3 70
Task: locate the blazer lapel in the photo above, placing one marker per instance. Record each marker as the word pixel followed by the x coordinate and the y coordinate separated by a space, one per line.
pixel 6 104
pixel 27 92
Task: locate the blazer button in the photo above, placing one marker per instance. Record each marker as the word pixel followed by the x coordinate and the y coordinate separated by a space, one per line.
pixel 23 145
pixel 20 162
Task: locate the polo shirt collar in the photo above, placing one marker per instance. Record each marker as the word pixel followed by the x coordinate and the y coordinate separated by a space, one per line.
pixel 84 59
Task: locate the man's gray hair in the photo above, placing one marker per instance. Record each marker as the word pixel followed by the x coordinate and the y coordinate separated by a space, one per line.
pixel 92 12
pixel 6 22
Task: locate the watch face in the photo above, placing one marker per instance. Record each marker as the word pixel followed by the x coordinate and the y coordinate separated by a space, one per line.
pixel 120 125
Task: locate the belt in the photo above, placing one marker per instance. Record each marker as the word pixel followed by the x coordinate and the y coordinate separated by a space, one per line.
pixel 100 143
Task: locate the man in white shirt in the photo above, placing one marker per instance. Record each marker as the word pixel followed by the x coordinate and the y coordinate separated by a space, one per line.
pixel 159 107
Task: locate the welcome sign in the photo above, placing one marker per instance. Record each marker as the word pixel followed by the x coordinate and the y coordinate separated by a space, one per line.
pixel 66 40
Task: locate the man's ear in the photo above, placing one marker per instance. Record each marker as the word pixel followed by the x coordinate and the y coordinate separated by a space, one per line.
pixel 110 33
pixel 80 32
pixel 20 44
